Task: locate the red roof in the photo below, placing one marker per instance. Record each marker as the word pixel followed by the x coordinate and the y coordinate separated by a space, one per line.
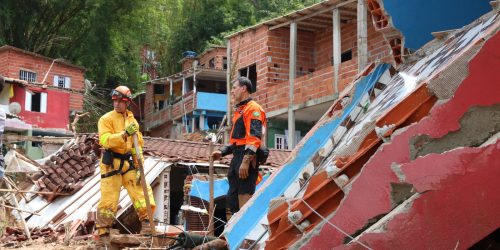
pixel 66 170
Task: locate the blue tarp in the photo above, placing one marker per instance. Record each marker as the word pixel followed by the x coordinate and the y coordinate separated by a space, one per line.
pixel 201 190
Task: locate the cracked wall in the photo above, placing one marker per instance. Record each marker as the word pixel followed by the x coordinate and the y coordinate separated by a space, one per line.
pixel 476 126
pixel 446 181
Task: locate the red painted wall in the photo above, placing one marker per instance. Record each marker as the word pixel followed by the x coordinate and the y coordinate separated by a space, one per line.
pixel 13 60
pixel 57 115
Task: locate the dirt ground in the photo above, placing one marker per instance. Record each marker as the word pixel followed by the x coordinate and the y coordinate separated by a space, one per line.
pixel 39 245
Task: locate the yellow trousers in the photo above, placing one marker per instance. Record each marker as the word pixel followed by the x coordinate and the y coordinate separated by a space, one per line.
pixel 110 194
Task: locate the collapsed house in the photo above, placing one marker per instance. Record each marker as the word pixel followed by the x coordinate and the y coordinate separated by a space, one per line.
pixel 68 187
pixel 397 160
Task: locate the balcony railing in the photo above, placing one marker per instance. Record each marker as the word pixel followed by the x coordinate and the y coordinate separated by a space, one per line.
pixel 185 106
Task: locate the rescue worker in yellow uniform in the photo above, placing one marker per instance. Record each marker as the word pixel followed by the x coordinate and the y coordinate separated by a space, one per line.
pixel 249 124
pixel 119 164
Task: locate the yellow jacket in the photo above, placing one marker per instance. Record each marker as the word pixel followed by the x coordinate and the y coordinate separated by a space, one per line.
pixel 111 127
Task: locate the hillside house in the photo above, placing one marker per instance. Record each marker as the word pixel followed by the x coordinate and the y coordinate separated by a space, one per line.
pixel 191 100
pixel 317 50
pixel 43 91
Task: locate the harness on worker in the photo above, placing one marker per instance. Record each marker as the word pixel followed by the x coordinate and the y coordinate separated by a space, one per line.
pixel 108 157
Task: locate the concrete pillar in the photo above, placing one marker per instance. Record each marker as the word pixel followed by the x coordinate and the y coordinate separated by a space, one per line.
pixel 362 36
pixel 184 88
pixel 171 90
pixel 336 49
pixel 291 79
pixel 228 93
pixel 193 124
pixel 202 121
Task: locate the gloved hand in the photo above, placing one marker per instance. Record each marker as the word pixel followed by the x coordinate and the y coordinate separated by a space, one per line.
pixel 245 165
pixel 216 155
pixel 132 128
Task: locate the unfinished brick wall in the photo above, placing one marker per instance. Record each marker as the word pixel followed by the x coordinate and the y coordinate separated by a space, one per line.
pixel 251 48
pixel 187 63
pixel 217 54
pixel 3 63
pixel 162 131
pixel 149 104
pixel 13 61
pixel 314 78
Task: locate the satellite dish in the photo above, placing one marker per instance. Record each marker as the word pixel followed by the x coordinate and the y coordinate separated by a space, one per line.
pixel 14 108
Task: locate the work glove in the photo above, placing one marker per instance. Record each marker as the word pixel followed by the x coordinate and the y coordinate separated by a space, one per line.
pixel 216 155
pixel 245 165
pixel 132 128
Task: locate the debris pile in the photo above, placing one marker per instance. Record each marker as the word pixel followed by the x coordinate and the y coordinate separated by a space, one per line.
pixel 17 234
pixel 195 136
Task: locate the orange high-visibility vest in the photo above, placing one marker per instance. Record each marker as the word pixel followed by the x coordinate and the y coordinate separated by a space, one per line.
pixel 249 125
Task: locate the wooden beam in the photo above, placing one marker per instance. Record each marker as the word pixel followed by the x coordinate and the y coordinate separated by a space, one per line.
pixel 23 222
pixel 344 13
pixel 28 191
pixel 308 29
pixel 326 21
pixel 22 210
pixel 327 9
pixel 45 139
pixel 313 25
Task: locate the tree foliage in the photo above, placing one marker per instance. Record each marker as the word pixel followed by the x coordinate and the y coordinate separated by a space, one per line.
pixel 106 36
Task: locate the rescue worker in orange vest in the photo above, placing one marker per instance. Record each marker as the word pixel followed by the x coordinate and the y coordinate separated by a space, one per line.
pixel 249 124
pixel 119 165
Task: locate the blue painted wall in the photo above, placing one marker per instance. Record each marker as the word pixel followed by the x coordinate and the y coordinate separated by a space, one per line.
pixel 211 101
pixel 416 19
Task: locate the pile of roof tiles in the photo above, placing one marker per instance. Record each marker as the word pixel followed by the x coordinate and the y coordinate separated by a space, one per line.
pixel 17 234
pixel 65 170
pixel 185 151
